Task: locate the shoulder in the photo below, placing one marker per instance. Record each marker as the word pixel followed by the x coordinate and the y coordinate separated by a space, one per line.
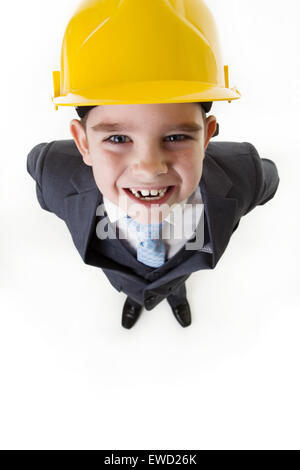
pixel 52 165
pixel 54 161
pixel 237 160
pixel 243 165
pixel 255 179
pixel 55 155
pixel 233 156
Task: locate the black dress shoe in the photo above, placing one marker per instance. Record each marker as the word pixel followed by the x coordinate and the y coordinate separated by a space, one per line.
pixel 130 314
pixel 182 314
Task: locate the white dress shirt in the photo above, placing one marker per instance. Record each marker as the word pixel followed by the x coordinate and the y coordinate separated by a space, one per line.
pixel 178 227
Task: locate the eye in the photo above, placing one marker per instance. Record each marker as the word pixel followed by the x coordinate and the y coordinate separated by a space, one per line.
pixel 179 135
pixel 113 136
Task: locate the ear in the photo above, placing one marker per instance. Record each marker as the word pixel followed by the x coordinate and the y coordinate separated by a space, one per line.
pixel 79 135
pixel 211 125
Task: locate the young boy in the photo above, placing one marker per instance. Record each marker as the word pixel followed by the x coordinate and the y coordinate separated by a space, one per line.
pixel 142 150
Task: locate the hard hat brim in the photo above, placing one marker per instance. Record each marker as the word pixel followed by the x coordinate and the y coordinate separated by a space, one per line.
pixel 148 93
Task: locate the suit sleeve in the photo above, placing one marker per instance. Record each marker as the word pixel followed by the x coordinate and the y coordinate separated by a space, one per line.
pixel 266 179
pixel 35 165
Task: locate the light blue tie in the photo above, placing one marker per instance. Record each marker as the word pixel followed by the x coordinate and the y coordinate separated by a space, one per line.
pixel 151 249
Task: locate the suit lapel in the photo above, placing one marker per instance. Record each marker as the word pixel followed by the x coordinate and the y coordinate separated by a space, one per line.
pixel 220 210
pixel 214 185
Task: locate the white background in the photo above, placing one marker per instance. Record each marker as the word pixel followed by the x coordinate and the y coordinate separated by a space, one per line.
pixel 71 376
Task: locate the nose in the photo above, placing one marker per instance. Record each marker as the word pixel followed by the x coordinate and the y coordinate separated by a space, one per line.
pixel 149 163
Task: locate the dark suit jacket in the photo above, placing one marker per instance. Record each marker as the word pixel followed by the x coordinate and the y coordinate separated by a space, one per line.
pixel 234 181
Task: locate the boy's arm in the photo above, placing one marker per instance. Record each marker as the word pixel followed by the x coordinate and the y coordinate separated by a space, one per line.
pixel 267 179
pixel 35 165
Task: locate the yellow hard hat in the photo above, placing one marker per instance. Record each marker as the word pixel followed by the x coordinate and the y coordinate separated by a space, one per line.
pixel 141 51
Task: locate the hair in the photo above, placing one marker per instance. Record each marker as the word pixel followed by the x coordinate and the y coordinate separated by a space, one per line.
pixel 83 121
pixel 84 118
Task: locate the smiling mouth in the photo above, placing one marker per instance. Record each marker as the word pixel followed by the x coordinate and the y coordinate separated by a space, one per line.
pixel 148 196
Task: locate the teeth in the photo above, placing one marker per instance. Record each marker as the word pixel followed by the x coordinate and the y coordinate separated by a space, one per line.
pixel 145 193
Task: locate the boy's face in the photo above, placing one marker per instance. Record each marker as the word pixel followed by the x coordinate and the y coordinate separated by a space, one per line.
pixel 145 146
